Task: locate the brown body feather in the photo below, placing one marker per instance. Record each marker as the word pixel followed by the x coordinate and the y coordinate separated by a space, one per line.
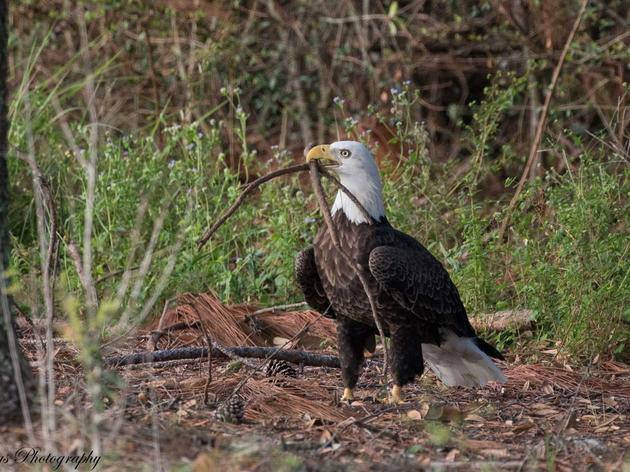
pixel 414 295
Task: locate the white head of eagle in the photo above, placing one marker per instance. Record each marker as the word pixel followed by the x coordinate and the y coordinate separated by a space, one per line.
pixel 356 168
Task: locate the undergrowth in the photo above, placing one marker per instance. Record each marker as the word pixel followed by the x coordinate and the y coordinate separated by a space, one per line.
pixel 564 257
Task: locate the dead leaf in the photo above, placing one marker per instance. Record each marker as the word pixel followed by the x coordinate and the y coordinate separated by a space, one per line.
pixel 552 352
pixel 452 454
pixel 452 413
pixel 280 341
pixel 473 417
pixel 325 437
pixel 159 383
pixel 604 429
pixel 523 426
pixel 205 461
pixel 477 444
pixel 193 382
pixel 541 409
pixel 547 389
pixel 443 413
pixel 537 406
pixel 190 403
pixel 498 453
pixel 610 401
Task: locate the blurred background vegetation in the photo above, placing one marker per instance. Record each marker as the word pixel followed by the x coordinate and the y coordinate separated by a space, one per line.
pixel 181 102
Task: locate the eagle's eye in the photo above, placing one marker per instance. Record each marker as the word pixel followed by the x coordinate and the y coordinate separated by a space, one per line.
pixel 345 153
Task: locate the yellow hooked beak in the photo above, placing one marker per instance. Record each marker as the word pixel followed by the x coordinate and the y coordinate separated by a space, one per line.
pixel 322 153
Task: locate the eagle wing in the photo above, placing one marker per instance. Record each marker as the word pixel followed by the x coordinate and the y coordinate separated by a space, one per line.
pixel 418 282
pixel 309 282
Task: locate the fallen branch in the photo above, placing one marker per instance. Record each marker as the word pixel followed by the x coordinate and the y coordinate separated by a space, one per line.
pixel 517 320
pixel 503 320
pixel 296 357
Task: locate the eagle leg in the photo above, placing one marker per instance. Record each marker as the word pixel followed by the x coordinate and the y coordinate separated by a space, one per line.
pixel 407 361
pixel 352 339
pixel 395 397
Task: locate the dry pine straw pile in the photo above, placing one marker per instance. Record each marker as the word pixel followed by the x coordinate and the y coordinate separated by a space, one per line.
pixel 236 326
pixel 587 413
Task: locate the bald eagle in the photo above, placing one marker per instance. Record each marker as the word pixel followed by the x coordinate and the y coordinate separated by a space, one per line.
pixel 417 303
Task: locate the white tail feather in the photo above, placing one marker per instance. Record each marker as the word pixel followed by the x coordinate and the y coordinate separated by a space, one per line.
pixel 458 361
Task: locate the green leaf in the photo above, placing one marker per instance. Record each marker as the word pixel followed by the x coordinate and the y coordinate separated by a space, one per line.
pixel 393 9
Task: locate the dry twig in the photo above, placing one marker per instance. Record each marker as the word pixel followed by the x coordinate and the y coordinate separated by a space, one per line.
pixel 533 151
pixel 157 334
pixel 86 281
pixel 250 188
pixel 276 308
pixel 209 344
pixel 255 352
pixel 266 178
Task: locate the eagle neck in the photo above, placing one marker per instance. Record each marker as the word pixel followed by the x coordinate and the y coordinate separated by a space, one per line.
pixel 368 193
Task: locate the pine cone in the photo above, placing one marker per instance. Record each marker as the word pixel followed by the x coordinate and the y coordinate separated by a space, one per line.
pixel 233 411
pixel 276 367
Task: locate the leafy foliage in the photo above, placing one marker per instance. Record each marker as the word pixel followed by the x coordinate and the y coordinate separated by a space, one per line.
pixel 447 166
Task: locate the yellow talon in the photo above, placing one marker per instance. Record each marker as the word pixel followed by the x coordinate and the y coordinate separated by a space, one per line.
pixel 395 398
pixel 347 395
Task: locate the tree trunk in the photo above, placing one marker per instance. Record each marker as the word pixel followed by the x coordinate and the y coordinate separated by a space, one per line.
pixel 11 358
